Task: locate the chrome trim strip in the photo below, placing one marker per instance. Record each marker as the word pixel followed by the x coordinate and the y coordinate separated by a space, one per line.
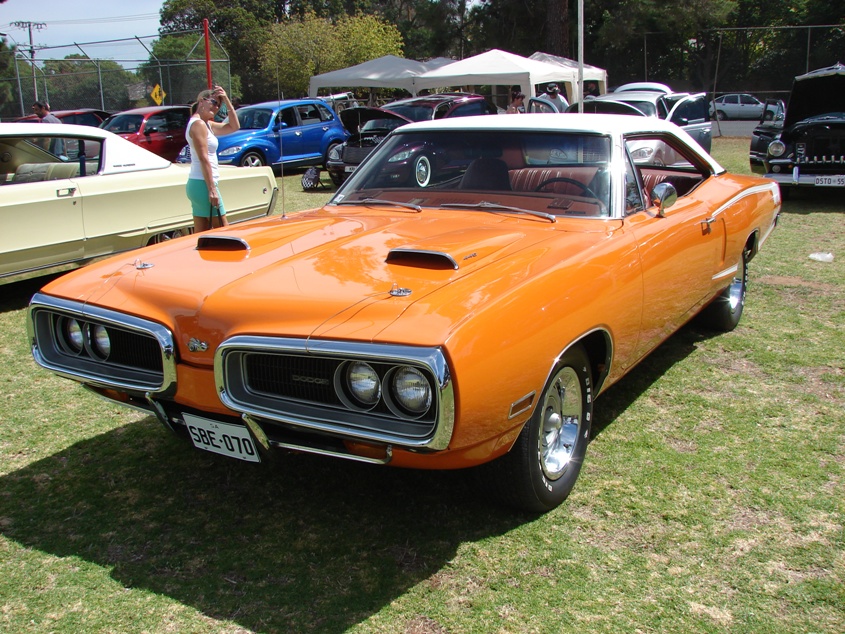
pixel 160 333
pixel 725 272
pixel 335 454
pixel 743 194
pixel 432 359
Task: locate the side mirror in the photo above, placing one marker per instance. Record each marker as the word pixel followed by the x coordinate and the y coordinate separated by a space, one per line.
pixel 664 195
pixel 149 131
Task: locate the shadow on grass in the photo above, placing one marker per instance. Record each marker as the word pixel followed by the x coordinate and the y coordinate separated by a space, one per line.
pixel 16 296
pixel 624 392
pixel 307 544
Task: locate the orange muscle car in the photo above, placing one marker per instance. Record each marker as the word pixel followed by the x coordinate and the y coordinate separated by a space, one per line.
pixel 461 301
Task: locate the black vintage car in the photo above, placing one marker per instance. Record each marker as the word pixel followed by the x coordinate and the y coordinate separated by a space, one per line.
pixel 810 149
pixel 769 127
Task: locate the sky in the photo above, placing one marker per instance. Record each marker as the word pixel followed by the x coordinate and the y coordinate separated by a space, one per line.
pixel 83 22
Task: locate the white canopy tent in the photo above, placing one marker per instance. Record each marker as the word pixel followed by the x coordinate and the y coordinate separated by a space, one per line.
pixel 591 73
pixel 389 71
pixel 499 68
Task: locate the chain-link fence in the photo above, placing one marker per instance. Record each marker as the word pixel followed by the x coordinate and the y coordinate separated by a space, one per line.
pixel 173 73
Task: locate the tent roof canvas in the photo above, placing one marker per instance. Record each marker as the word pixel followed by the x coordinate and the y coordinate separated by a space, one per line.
pixel 495 67
pixel 591 73
pixel 389 71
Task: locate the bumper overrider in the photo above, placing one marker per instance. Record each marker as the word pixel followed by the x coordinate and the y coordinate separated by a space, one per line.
pixel 346 399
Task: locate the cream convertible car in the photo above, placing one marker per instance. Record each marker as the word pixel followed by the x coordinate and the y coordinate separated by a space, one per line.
pixel 73 193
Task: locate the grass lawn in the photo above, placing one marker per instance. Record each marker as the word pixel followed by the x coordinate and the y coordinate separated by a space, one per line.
pixel 711 499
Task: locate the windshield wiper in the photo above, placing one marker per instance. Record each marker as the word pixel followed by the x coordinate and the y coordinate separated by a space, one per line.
pixel 488 206
pixel 379 201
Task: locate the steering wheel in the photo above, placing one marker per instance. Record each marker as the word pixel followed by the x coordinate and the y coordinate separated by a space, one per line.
pixel 563 179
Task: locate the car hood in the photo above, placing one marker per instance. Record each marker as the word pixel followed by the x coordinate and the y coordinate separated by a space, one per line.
pixel 353 118
pixel 817 93
pixel 324 275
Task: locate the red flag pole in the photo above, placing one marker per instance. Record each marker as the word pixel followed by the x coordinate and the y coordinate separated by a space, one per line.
pixel 207 52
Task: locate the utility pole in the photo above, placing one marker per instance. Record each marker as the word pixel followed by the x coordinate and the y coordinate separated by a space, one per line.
pixel 37 26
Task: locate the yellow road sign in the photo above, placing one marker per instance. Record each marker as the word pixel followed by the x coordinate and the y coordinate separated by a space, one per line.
pixel 158 95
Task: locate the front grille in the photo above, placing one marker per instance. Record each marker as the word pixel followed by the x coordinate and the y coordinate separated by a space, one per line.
pixel 354 155
pixel 822 150
pixel 101 347
pixel 300 378
pixel 303 384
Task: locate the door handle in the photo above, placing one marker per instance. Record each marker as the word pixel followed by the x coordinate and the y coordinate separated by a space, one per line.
pixel 65 193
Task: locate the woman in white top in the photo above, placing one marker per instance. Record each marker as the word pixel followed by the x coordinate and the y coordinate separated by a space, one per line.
pixel 201 134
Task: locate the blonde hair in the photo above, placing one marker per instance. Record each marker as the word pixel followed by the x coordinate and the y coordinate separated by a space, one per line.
pixel 204 94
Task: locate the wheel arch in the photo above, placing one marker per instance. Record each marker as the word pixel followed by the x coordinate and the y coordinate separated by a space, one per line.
pixel 598 345
pixel 752 245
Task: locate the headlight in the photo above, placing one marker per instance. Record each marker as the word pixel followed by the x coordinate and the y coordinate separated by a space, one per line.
pixel 777 148
pixel 363 382
pixel 334 152
pixel 410 390
pixel 404 155
pixel 230 151
pixel 74 336
pixel 101 341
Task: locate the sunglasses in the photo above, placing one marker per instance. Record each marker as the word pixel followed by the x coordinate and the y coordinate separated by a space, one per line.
pixel 214 102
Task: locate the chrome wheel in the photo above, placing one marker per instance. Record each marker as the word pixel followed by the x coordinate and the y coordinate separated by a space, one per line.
pixel 422 171
pixel 252 159
pixel 563 412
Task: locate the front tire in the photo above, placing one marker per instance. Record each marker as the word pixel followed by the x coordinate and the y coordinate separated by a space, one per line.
pixel 721 116
pixel 252 159
pixel 725 311
pixel 541 468
pixel 422 171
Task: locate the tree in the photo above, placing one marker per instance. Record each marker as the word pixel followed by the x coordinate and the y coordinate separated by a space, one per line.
pixel 77 81
pixel 299 49
pixel 8 89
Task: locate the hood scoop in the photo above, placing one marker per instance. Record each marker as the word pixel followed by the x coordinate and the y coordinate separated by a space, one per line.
pixel 422 259
pixel 222 243
pixel 452 250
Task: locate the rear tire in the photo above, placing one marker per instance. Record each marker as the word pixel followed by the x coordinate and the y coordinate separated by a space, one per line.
pixel 541 468
pixel 725 311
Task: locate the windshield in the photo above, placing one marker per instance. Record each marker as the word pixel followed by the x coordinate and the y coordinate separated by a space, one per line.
pixel 254 118
pixel 414 113
pixel 646 107
pixel 538 173
pixel 382 125
pixel 123 123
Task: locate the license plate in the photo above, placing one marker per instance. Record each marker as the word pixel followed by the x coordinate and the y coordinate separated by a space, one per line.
pixel 226 439
pixel 349 168
pixel 835 180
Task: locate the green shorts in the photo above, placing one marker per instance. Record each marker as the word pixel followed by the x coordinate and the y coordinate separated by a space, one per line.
pixel 197 192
